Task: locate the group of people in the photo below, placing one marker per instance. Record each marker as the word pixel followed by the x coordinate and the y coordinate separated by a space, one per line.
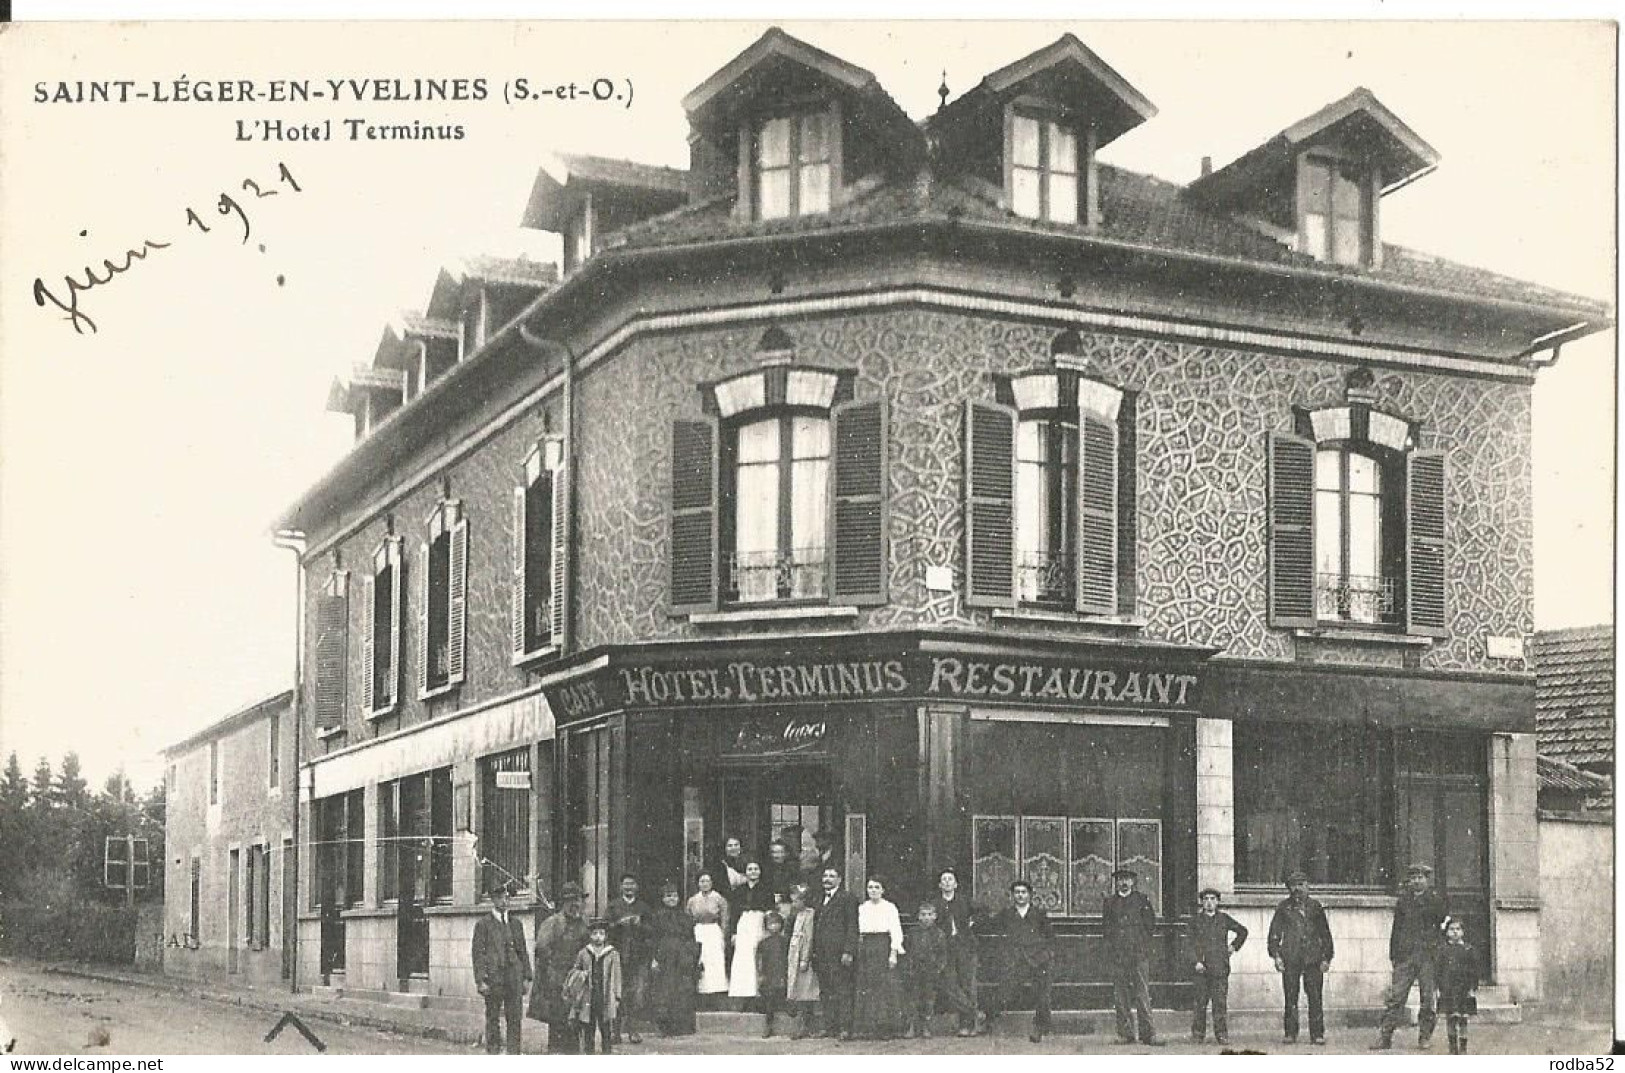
pixel 841 963
pixel 1427 949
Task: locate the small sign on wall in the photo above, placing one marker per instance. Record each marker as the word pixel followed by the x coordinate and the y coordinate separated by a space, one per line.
pixel 513 780
pixel 1504 647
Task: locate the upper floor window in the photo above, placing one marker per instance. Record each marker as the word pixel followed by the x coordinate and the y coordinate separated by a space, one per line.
pixel 781 497
pixel 540 558
pixel 381 637
pixel 1044 168
pixel 1050 496
pixel 273 772
pixel 214 773
pixel 443 614
pixel 1356 524
pixel 1335 221
pixel 793 165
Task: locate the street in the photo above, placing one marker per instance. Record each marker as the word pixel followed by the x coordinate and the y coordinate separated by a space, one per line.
pixel 58 1013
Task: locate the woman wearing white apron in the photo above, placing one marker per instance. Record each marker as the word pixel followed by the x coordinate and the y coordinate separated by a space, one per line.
pixel 709 911
pixel 753 901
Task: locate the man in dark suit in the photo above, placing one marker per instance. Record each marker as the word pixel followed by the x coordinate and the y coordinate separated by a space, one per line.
pixel 1131 925
pixel 834 946
pixel 629 930
pixel 954 921
pixel 1029 942
pixel 501 970
pixel 1300 943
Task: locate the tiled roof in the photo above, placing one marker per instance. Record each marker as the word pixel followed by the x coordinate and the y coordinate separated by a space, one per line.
pixel 520 271
pixel 1554 774
pixel 1138 209
pixel 1574 694
pixel 605 169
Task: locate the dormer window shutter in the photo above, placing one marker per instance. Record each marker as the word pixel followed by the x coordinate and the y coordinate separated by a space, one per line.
pixel 457 604
pixel 517 606
pixel 990 480
pixel 560 602
pixel 1097 566
pixel 858 526
pixel 693 516
pixel 1425 541
pixel 1291 531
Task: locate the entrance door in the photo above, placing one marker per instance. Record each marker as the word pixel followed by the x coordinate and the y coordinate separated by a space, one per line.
pixel 233 900
pixel 290 907
pixel 760 804
pixel 1446 824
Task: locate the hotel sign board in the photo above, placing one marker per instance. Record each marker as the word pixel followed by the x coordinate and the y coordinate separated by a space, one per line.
pixel 941 675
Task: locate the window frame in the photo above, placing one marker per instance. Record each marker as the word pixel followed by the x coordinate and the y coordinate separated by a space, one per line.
pixel 1021 822
pixel 523 758
pixel 794 167
pixel 388 556
pixel 545 460
pixel 1050 118
pixel 428 788
pixel 443 607
pixel 1389 548
pixel 1334 166
pixel 786 540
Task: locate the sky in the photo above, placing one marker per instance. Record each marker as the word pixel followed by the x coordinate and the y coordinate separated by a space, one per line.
pixel 142 465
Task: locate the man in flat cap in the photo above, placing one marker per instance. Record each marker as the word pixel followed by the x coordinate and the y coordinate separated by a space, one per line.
pixel 501 970
pixel 1300 944
pixel 1130 929
pixel 1413 948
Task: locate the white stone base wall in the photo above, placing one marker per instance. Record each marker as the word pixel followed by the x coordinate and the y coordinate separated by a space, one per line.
pixel 1359 973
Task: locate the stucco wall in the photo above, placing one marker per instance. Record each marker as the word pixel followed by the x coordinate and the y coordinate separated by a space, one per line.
pixel 1576 912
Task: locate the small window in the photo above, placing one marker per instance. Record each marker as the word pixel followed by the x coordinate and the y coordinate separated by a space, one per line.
pixel 1044 168
pixel 381 639
pixel 793 166
pixel 540 528
pixel 274 750
pixel 1334 214
pixel 214 773
pixel 443 609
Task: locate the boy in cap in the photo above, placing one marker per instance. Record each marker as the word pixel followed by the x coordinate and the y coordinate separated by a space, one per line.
pixel 1300 944
pixel 925 967
pixel 1130 929
pixel 1413 948
pixel 1214 937
pixel 598 1005
pixel 501 970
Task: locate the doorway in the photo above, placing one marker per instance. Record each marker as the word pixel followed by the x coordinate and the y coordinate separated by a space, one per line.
pixel 758 804
pixel 233 901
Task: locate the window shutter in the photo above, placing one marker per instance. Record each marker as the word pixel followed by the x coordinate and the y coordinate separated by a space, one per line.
pixel 397 612
pixel 990 482
pixel 1424 532
pixel 858 561
pixel 1097 516
pixel 332 628
pixel 1291 531
pixel 369 628
pixel 517 606
pixel 693 516
pixel 560 591
pixel 423 621
pixel 457 604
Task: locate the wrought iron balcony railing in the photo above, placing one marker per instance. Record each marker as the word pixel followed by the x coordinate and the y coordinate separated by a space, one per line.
pixel 1044 578
pixel 1355 598
pixel 761 576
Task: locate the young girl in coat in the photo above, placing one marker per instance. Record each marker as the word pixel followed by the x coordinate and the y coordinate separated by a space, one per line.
pixel 598 967
pixel 1458 978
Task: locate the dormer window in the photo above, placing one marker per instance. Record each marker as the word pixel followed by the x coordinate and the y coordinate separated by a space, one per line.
pixel 1334 213
pixel 1044 168
pixel 578 239
pixel 793 166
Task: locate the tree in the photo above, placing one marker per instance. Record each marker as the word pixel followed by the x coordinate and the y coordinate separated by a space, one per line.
pixel 15 826
pixel 71 789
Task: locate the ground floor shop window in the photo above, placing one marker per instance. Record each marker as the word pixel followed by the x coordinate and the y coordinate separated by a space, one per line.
pixel 340 857
pixel 1068 860
pixel 415 837
pixel 505 795
pixel 1315 797
pixel 1062 805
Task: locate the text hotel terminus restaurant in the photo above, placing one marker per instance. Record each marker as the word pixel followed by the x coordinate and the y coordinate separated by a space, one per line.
pixel 939 487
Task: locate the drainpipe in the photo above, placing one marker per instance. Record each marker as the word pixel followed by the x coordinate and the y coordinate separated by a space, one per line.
pixel 294 540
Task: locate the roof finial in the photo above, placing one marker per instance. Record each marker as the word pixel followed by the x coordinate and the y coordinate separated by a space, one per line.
pixel 942 91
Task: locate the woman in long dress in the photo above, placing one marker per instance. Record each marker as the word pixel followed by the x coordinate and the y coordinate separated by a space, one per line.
pixel 751 902
pixel 877 1001
pixel 675 964
pixel 803 987
pixel 709 912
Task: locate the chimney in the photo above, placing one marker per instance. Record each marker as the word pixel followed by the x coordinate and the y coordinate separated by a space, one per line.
pixel 1207 165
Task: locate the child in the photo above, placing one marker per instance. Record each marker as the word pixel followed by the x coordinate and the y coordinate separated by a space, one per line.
pixel 1458 977
pixel 1211 946
pixel 772 968
pixel 923 969
pixel 600 1001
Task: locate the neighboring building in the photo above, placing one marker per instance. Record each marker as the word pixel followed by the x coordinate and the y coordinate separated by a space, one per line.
pixel 1574 708
pixel 228 830
pixel 942 488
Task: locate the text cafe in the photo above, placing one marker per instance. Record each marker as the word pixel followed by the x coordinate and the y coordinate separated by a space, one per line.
pixel 907 752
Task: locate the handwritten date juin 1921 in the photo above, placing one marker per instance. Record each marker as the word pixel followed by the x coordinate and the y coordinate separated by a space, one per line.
pixel 225 205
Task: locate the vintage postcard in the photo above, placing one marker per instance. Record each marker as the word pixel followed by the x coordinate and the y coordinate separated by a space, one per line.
pixel 707 537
